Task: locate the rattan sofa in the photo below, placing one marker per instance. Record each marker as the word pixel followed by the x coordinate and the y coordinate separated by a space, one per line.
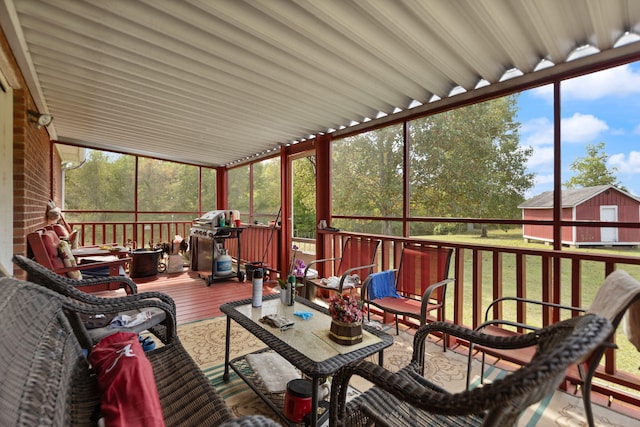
pixel 45 379
pixel 407 398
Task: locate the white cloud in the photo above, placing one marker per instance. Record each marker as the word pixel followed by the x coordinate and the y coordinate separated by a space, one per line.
pixel 618 81
pixel 544 179
pixel 537 132
pixel 582 128
pixel 542 156
pixel 579 128
pixel 626 165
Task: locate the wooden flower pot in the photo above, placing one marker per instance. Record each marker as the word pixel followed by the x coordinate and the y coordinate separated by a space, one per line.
pixel 345 333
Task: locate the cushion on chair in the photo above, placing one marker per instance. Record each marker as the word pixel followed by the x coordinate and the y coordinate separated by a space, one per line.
pixel 154 316
pixel 60 230
pixel 64 234
pixel 64 249
pixel 50 242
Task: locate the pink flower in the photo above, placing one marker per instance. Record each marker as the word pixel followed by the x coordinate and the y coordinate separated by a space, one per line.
pixel 345 308
pixel 296 266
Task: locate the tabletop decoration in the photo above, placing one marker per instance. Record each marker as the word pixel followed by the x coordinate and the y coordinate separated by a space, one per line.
pixel 296 269
pixel 346 319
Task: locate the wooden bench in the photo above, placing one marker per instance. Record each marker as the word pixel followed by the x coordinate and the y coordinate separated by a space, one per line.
pixel 45 378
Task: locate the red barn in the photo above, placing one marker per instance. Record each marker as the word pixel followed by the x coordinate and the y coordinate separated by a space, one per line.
pixel 599 203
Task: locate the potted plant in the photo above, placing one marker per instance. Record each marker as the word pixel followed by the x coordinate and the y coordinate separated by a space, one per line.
pixel 346 319
pixel 296 269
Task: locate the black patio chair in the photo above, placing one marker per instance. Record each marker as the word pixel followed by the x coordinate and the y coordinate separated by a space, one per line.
pixel 407 398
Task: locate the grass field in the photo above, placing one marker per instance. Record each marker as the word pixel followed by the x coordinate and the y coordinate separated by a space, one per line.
pixel 628 358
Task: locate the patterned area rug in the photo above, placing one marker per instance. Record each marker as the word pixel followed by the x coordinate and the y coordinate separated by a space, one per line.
pixel 205 341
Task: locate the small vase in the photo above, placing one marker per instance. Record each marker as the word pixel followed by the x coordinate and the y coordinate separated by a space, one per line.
pixel 284 299
pixel 345 333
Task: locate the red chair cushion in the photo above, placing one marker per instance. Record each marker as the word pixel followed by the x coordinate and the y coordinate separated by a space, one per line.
pixel 51 242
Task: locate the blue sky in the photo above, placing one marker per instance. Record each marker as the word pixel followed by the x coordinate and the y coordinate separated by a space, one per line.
pixel 600 107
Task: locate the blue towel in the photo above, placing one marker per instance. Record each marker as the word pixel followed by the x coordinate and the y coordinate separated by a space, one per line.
pixel 304 314
pixel 383 285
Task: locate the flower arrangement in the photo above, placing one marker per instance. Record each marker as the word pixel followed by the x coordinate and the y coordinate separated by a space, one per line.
pixel 296 267
pixel 345 308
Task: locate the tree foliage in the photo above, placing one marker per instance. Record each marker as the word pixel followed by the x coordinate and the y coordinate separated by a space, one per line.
pixel 592 170
pixel 304 197
pixel 462 163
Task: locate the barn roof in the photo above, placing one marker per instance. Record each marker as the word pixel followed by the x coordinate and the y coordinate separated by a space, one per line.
pixel 570 198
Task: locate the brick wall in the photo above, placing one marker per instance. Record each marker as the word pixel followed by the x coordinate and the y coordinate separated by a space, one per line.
pixel 33 168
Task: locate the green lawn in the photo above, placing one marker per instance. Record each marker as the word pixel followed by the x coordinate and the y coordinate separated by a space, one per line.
pixel 628 358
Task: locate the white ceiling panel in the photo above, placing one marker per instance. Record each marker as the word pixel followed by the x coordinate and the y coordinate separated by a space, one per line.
pixel 215 82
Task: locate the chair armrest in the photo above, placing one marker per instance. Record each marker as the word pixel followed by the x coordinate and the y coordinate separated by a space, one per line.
pixel 96 264
pixel 52 280
pixel 86 298
pixel 348 272
pixel 426 296
pixel 316 261
pixel 560 345
pixel 499 301
pixel 119 305
pixel 472 336
pixel 130 286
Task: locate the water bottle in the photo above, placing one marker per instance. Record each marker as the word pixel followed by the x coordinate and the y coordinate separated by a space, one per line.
pixel 291 289
pixel 256 297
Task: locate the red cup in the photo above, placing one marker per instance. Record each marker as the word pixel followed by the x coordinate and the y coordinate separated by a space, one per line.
pixel 237 223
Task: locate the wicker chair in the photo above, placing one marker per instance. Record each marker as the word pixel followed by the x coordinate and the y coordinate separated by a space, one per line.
pixel 45 378
pixel 406 398
pixel 40 274
pixel 162 322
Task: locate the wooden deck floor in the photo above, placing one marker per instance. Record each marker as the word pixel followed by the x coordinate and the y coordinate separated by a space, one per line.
pixel 194 299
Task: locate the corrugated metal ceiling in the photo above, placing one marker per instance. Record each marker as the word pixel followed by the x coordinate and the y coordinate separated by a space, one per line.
pixel 215 82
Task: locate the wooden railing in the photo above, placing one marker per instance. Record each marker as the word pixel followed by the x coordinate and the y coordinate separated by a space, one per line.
pixel 568 277
pixel 135 234
pixel 258 243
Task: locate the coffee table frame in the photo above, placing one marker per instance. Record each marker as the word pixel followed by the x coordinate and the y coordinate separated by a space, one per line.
pixel 311 368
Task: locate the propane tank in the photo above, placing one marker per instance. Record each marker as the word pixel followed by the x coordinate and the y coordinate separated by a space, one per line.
pixel 223 264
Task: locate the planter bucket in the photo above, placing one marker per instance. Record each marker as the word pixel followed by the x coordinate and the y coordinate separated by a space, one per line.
pixel 345 333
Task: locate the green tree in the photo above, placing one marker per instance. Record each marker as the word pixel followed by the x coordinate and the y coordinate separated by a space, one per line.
pixel 463 163
pixel 592 170
pixel 304 197
pixel 104 182
pixel 367 177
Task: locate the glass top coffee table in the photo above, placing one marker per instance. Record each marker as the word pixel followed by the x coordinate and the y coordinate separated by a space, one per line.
pixel 306 345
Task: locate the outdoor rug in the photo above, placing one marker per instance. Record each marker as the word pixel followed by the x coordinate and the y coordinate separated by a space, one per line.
pixel 205 341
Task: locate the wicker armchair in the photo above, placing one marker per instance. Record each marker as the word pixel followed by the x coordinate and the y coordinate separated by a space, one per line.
pixel 162 321
pixel 40 274
pixel 406 398
pixel 45 378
